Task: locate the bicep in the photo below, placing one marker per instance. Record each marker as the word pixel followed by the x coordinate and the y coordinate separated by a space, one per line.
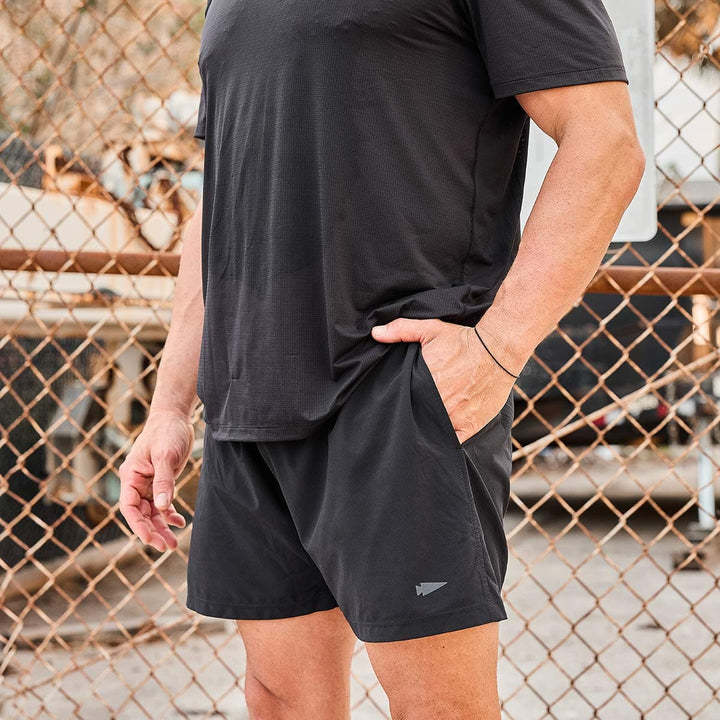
pixel 590 105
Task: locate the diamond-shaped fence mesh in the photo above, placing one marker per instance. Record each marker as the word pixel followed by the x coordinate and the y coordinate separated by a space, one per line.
pixel 612 586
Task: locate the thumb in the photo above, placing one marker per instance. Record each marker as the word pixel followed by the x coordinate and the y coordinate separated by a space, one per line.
pixel 163 482
pixel 405 330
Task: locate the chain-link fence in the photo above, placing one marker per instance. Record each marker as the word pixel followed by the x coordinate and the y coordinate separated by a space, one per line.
pixel 612 588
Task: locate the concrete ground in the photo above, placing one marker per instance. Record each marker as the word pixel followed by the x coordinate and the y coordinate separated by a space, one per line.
pixel 601 623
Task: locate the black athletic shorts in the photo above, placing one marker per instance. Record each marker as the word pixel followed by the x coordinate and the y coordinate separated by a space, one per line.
pixel 381 511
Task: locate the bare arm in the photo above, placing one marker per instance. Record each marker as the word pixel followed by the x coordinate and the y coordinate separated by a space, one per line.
pixel 177 374
pixel 161 451
pixel 593 178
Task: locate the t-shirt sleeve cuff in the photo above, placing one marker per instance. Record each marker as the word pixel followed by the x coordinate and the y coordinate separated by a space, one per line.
pixel 561 79
pixel 200 131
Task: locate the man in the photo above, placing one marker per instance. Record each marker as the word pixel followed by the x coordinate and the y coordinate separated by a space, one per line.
pixel 358 301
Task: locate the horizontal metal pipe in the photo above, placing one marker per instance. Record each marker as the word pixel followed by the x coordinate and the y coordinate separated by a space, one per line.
pixel 639 280
pixel 613 279
pixel 86 261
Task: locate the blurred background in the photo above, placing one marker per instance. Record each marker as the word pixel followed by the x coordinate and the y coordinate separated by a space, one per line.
pixel 612 585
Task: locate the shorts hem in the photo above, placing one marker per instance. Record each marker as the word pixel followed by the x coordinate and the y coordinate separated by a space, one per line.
pixel 471 616
pixel 247 611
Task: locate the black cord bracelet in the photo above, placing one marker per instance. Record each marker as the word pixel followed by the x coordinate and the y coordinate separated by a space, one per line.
pixel 491 355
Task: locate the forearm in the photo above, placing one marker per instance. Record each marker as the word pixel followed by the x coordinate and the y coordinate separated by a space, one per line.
pixel 177 374
pixel 585 193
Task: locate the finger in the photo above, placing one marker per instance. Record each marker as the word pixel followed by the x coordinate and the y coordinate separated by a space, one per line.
pixel 158 542
pixel 171 542
pixel 163 530
pixel 173 517
pixel 406 330
pixel 138 523
pixel 148 534
pixel 156 539
pixel 163 482
pixel 134 508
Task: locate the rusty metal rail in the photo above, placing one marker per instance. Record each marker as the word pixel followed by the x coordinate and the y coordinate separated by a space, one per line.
pixel 613 279
pixel 85 261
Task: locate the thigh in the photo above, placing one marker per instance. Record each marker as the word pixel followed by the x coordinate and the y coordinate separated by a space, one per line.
pixel 299 667
pixel 450 675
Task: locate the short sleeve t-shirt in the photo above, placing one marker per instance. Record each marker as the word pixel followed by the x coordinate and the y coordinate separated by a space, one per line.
pixel 364 161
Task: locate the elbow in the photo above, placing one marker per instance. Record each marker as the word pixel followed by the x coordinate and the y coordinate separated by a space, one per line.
pixel 611 145
pixel 630 161
pixel 636 161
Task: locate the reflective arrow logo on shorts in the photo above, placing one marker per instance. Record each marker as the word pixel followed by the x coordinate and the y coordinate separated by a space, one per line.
pixel 427 588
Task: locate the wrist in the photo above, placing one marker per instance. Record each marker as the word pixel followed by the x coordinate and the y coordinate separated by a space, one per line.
pixel 502 346
pixel 157 409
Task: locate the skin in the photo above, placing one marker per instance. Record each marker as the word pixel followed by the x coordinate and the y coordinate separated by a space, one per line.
pixel 298 667
pixel 160 452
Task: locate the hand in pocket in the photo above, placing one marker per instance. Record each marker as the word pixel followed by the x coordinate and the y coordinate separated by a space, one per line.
pixel 473 387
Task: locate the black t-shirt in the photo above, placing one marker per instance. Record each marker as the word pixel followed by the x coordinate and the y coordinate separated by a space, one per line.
pixel 364 161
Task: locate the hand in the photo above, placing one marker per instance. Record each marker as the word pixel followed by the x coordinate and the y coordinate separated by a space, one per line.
pixel 472 385
pixel 147 477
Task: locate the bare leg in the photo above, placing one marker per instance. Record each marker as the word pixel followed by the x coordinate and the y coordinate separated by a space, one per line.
pixel 451 675
pixel 298 668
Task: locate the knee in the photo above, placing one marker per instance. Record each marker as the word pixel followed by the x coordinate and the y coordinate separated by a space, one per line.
pixel 264 703
pixel 406 709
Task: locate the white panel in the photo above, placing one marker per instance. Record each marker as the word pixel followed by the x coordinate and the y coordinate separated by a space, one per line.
pixel 635 26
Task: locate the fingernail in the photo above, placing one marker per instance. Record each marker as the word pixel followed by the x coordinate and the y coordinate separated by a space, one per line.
pixel 379 329
pixel 162 500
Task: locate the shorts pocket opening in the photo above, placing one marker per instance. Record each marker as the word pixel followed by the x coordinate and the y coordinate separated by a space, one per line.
pixel 447 420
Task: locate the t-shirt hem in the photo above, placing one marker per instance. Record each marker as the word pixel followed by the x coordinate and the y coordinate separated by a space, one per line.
pixel 561 79
pixel 237 433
